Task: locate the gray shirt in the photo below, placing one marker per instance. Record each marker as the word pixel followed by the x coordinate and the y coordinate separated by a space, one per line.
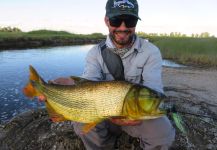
pixel 142 64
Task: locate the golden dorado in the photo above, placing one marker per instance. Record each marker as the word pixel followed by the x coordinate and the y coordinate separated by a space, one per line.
pixel 91 102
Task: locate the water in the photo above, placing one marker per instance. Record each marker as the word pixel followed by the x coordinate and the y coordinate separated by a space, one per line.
pixel 168 63
pixel 51 63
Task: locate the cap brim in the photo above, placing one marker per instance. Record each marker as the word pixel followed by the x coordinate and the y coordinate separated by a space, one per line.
pixel 123 13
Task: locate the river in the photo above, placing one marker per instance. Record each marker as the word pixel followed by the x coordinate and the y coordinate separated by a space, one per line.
pixel 49 62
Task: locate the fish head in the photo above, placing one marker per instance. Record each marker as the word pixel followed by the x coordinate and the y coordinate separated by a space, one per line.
pixel 141 101
pixel 148 100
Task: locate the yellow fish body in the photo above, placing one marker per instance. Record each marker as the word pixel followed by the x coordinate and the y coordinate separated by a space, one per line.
pixel 91 102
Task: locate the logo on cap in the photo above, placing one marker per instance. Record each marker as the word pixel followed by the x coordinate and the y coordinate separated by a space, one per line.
pixel 123 4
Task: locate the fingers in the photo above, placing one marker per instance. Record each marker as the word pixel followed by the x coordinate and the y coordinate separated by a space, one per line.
pixel 62 81
pixel 42 98
pixel 125 122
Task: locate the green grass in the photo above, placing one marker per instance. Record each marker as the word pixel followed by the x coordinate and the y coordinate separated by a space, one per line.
pixel 188 51
pixel 48 34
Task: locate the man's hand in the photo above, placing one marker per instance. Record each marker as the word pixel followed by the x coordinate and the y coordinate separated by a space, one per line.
pixel 125 122
pixel 60 81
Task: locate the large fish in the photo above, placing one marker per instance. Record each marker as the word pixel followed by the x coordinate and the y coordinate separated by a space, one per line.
pixel 91 102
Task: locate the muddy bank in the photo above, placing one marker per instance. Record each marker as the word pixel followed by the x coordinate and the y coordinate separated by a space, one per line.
pixel 191 90
pixel 23 43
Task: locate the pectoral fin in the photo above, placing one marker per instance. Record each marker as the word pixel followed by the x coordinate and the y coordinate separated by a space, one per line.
pixel 54 116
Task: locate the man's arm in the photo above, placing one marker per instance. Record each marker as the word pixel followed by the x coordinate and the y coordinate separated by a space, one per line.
pixel 151 75
pixel 92 69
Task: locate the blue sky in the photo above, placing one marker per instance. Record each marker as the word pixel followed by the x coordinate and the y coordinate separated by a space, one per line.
pixel 87 16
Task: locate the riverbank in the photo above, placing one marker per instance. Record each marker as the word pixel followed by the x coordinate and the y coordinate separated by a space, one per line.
pixel 192 90
pixel 24 43
pixel 45 38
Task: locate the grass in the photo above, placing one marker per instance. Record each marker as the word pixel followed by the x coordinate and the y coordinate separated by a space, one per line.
pixel 48 34
pixel 188 51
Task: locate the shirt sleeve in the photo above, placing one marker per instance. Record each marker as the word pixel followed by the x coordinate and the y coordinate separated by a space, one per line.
pixel 151 75
pixel 92 69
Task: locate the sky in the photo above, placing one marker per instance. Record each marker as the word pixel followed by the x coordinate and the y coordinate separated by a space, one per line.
pixel 87 16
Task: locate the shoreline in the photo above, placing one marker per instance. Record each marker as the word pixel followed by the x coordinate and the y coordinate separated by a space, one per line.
pixel 25 43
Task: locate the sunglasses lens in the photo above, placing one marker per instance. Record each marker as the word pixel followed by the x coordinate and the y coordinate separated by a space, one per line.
pixel 115 22
pixel 129 21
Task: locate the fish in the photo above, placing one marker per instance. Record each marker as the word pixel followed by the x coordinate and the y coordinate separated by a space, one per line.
pixel 91 102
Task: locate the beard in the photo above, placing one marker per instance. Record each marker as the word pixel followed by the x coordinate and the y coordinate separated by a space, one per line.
pixel 126 41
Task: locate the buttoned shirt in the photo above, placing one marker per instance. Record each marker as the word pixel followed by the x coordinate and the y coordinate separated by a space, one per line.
pixel 142 64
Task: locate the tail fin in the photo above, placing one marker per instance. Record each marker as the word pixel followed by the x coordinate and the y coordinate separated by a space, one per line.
pixel 29 90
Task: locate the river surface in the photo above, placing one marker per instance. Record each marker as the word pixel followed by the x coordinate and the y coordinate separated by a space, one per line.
pixel 51 63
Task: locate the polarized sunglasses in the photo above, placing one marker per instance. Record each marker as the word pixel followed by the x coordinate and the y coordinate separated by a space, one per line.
pixel 130 21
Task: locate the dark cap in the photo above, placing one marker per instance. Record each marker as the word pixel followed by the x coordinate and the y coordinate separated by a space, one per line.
pixel 122 7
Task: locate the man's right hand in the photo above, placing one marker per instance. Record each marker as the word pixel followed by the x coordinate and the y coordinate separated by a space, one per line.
pixel 60 81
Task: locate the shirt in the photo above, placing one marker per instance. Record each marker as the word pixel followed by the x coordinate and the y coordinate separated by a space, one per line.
pixel 142 64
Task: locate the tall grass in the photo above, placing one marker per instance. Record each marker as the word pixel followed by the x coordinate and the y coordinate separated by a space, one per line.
pixel 190 51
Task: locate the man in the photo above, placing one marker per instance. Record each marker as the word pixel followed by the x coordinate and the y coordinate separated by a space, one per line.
pixel 142 64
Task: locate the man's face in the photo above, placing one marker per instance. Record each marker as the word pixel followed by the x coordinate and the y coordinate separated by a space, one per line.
pixel 121 29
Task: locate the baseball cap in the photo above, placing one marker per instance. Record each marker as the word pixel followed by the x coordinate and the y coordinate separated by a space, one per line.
pixel 122 7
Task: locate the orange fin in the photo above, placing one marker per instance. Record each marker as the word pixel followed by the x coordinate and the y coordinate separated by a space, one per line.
pixel 30 91
pixel 87 127
pixel 54 116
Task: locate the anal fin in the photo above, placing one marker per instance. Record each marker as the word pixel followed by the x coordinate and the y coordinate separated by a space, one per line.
pixel 87 127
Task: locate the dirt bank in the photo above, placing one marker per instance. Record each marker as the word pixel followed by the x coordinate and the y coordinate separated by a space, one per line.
pixel 191 90
pixel 194 91
pixel 25 43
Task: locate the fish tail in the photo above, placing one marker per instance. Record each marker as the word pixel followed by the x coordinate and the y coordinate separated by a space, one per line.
pixel 179 122
pixel 29 90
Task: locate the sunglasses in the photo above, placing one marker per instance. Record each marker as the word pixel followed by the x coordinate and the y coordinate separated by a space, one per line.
pixel 130 21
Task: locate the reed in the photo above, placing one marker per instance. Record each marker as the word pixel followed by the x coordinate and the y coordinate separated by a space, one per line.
pixel 188 50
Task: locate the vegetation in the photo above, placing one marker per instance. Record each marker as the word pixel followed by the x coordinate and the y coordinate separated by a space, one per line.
pixel 45 34
pixel 175 34
pixel 10 29
pixel 188 50
pixel 11 39
pixel 197 49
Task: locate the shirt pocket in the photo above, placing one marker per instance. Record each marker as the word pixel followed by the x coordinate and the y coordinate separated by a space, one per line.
pixel 134 75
